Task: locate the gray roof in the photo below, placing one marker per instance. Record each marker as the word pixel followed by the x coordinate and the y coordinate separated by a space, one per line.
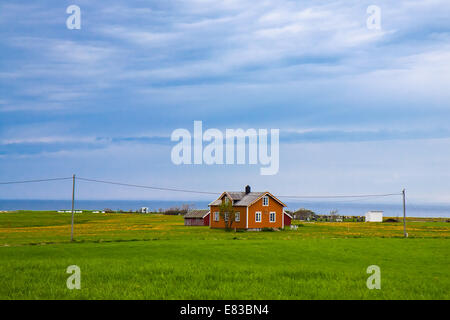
pixel 196 213
pixel 240 198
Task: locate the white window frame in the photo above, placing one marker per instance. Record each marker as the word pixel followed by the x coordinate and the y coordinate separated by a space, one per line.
pixel 226 216
pixel 274 217
pixel 237 217
pixel 256 216
pixel 216 216
pixel 264 199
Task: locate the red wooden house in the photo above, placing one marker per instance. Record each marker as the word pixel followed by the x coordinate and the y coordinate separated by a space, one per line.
pixel 254 210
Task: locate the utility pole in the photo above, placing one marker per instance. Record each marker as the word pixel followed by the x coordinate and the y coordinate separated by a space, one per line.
pixel 73 203
pixel 404 214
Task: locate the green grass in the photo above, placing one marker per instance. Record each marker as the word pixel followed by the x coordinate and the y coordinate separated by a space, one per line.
pixel 156 257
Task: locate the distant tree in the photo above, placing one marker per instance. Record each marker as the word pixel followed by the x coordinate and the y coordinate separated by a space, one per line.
pixel 333 215
pixel 185 208
pixel 227 213
pixel 303 214
pixel 172 211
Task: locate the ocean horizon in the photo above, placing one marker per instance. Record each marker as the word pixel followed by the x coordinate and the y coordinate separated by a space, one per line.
pixel 319 207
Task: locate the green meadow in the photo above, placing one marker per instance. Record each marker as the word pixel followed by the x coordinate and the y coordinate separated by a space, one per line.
pixel 150 256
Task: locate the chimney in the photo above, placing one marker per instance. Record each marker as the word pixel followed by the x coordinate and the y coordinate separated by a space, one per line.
pixel 247 189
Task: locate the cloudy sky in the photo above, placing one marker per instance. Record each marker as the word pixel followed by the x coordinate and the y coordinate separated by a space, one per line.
pixel 359 110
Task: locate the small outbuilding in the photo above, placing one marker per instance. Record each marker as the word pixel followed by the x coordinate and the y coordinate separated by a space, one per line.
pixel 197 218
pixel 374 216
pixel 287 219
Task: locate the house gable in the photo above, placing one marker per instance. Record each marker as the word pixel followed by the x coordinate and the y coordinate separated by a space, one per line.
pixel 272 197
pixel 259 215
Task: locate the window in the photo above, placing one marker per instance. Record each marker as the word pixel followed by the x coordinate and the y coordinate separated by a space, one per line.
pixel 265 201
pixel 226 216
pixel 237 217
pixel 226 200
pixel 258 216
pixel 272 216
pixel 216 216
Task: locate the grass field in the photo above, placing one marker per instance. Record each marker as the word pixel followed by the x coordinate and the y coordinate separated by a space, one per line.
pixel 136 256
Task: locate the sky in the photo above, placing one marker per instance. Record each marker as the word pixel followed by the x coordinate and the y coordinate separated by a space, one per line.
pixel 359 110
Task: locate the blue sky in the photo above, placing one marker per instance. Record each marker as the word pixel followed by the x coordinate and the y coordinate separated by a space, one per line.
pixel 359 110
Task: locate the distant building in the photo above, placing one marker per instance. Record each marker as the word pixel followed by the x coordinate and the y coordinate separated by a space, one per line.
pixel 144 210
pixel 374 216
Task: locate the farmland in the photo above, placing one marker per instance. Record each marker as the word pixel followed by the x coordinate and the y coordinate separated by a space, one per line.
pixel 150 256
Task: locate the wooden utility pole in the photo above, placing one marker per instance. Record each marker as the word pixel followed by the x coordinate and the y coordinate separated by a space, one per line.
pixel 73 205
pixel 404 214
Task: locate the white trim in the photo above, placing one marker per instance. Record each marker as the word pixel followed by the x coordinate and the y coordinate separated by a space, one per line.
pixel 274 216
pixel 237 214
pixel 288 214
pixel 246 221
pixel 282 219
pixel 260 216
pixel 205 215
pixel 216 214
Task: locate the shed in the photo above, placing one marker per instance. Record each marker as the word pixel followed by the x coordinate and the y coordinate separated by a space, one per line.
pixel 287 219
pixel 374 216
pixel 197 218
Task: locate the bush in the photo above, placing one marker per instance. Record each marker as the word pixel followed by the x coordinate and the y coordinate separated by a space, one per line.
pixel 176 210
pixel 390 220
pixel 267 229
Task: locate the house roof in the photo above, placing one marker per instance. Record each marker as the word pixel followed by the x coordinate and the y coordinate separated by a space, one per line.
pixel 287 214
pixel 197 213
pixel 242 198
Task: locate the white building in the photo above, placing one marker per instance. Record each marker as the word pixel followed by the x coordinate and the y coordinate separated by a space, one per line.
pixel 144 210
pixel 374 216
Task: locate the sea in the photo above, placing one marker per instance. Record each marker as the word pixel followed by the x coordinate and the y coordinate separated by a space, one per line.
pixel 319 207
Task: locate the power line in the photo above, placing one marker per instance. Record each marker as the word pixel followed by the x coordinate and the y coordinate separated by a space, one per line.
pixel 147 187
pixel 203 192
pixel 206 192
pixel 31 181
pixel 343 196
pixel 312 201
